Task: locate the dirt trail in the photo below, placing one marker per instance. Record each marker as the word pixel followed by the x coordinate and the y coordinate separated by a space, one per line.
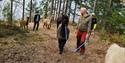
pixel 42 47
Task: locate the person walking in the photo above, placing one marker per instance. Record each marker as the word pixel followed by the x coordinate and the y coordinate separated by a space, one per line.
pixel 63 33
pixel 36 21
pixel 84 26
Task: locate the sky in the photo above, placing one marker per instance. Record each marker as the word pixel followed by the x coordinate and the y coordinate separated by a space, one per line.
pixel 1 3
pixel 18 11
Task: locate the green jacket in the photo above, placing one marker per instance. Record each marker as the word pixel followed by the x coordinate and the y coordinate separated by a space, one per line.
pixel 84 23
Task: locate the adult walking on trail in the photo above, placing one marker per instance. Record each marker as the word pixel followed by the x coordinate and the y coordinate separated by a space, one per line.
pixel 63 33
pixel 84 26
pixel 93 23
pixel 59 19
pixel 36 21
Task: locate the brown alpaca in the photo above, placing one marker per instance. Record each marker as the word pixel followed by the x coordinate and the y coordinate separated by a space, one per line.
pixel 115 54
pixel 47 22
pixel 24 24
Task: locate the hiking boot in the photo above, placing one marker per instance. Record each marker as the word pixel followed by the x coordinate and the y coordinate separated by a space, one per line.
pixel 82 51
pixel 60 52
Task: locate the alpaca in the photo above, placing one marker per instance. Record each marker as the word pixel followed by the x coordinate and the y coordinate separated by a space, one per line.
pixel 23 24
pixel 115 54
pixel 47 22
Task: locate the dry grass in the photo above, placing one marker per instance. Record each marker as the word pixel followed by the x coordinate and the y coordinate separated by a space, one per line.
pixel 9 30
pixel 115 38
pixel 42 47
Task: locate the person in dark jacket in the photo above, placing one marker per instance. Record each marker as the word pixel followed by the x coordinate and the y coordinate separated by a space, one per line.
pixel 59 19
pixel 94 22
pixel 36 20
pixel 63 33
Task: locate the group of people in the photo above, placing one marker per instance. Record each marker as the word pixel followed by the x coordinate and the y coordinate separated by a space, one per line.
pixel 86 25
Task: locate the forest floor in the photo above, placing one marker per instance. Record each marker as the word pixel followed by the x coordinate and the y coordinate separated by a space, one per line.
pixel 42 47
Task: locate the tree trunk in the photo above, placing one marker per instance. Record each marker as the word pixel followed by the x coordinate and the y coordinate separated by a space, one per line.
pixel 52 4
pixel 63 9
pixel 110 3
pixel 55 10
pixel 46 9
pixel 59 6
pixel 11 19
pixel 23 9
pixel 94 6
pixel 30 10
pixel 70 2
pixel 109 10
pixel 74 13
pixel 67 1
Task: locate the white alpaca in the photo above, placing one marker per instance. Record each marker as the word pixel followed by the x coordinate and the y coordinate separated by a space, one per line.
pixel 115 54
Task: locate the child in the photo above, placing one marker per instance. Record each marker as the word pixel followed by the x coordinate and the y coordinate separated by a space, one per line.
pixel 63 33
